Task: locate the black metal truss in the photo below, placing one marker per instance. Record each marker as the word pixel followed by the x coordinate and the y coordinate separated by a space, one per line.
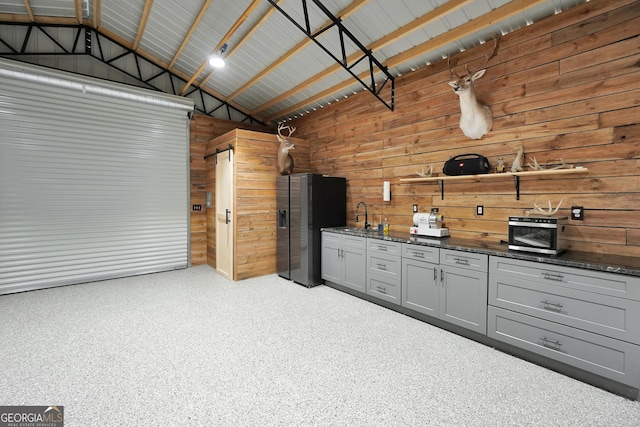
pixel 83 45
pixel 341 57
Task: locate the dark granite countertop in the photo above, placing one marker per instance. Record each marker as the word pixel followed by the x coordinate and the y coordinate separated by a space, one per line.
pixel 591 261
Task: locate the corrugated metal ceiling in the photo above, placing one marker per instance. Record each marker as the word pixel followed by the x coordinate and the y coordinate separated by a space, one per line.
pixel 181 35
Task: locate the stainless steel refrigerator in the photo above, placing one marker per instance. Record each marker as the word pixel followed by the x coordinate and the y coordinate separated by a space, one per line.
pixel 306 203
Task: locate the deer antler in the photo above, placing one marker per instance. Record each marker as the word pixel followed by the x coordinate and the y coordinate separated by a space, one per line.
pixel 282 127
pixel 487 57
pixel 538 210
pixel 537 166
pixel 426 174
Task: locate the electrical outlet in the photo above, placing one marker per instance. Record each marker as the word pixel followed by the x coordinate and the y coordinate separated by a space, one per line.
pixel 479 210
pixel 196 207
pixel 415 208
pixel 577 213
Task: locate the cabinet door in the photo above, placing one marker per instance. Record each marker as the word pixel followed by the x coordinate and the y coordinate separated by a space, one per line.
pixel 332 257
pixel 463 298
pixel 355 268
pixel 420 286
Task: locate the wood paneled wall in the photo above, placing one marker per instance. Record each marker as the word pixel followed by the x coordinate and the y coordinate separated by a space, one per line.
pixel 202 130
pixel 565 87
pixel 255 182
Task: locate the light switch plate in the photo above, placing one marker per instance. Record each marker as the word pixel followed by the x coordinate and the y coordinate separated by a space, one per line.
pixel 479 210
pixel 415 208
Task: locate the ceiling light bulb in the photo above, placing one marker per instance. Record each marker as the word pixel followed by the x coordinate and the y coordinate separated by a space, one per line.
pixel 216 62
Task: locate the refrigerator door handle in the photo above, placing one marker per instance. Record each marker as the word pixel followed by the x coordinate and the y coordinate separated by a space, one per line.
pixel 282 218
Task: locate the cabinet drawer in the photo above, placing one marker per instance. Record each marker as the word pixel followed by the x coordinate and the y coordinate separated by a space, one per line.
pixel 383 288
pixel 610 358
pixel 384 247
pixel 615 317
pixel 354 242
pixel 384 265
pixel 468 260
pixel 332 239
pixel 421 253
pixel 617 285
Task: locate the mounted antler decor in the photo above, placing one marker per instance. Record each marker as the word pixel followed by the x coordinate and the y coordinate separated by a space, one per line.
pixel 424 173
pixel 541 167
pixel 537 210
pixel 476 118
pixel 285 161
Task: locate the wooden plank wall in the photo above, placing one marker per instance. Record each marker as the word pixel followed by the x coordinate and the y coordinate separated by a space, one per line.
pixel 202 130
pixel 255 204
pixel 565 87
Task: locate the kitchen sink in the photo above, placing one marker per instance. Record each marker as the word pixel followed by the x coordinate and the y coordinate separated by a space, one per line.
pixel 356 230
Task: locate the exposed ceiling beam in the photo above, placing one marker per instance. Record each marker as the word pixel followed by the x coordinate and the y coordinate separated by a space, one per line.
pixel 254 4
pixel 343 14
pixel 79 11
pixel 416 24
pixel 96 14
pixel 24 19
pixel 457 33
pixel 164 65
pixel 27 6
pixel 186 39
pixel 143 23
pixel 244 38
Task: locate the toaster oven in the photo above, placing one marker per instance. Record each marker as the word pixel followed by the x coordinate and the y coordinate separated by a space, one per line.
pixel 543 235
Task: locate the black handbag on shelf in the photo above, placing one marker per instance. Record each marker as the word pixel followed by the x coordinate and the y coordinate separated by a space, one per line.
pixel 466 164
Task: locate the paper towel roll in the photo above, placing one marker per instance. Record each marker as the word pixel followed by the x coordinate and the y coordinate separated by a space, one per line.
pixel 386 192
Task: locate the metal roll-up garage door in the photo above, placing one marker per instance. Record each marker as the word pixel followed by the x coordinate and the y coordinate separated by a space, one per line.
pixel 93 179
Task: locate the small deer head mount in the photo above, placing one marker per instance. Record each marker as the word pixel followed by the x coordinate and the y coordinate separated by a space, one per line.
pixel 285 161
pixel 476 118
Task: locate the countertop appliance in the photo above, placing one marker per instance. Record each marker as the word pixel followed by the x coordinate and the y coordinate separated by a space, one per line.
pixel 539 234
pixel 306 203
pixel 428 224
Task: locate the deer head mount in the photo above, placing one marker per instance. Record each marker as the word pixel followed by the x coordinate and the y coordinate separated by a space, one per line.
pixel 285 161
pixel 475 118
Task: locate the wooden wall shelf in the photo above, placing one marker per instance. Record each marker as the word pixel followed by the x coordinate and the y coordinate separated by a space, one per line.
pixel 515 175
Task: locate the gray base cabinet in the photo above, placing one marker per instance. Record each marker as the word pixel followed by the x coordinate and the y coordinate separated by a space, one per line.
pixel 447 284
pixel 344 260
pixel 463 292
pixel 420 279
pixel 587 319
pixel 384 269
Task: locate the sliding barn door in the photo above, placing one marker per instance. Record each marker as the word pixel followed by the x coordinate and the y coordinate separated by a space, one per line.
pixel 93 179
pixel 225 223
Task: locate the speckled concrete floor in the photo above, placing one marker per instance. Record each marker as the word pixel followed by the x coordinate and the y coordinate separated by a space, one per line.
pixel 189 348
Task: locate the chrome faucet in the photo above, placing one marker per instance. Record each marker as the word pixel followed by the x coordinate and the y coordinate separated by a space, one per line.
pixel 366 215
